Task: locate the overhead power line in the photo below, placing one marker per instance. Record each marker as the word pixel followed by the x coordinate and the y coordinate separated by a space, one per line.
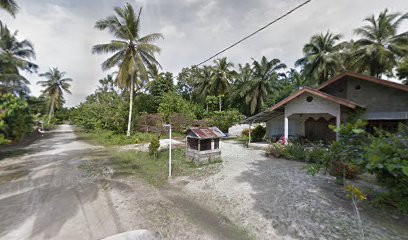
pixel 257 31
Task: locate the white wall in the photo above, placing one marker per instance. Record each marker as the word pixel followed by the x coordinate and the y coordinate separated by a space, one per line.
pixel 274 126
pixel 318 105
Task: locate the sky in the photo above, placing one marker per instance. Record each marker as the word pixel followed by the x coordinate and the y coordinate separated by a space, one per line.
pixel 63 32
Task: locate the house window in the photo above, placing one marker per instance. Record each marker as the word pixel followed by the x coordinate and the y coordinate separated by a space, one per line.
pixel 309 99
pixel 357 87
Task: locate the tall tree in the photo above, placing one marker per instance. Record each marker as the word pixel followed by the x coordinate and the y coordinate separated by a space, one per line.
pixel 54 88
pixel 132 53
pixel 322 58
pixel 381 46
pixel 10 6
pixel 265 80
pixel 15 56
pixel 221 78
pixel 203 79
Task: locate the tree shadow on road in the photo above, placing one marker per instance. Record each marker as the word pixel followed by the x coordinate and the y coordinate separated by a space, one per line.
pixel 305 207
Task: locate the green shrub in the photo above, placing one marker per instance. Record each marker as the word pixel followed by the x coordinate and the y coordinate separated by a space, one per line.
pixel 154 147
pixel 223 119
pixel 294 152
pixel 15 118
pixel 258 133
pixel 276 149
pixel 387 157
pixel 317 153
pixel 172 103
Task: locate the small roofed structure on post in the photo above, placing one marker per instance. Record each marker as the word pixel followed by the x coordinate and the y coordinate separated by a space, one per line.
pixel 203 144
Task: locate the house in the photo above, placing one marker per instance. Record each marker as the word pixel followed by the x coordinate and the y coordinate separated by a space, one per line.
pixel 203 144
pixel 308 112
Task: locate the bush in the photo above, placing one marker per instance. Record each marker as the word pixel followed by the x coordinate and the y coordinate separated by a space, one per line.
pixel 149 122
pixel 317 153
pixel 154 147
pixel 180 122
pixel 276 149
pixel 245 132
pixel 258 134
pixel 295 152
pixel 387 157
pixel 336 168
pixel 172 103
pixel 223 119
pixel 15 118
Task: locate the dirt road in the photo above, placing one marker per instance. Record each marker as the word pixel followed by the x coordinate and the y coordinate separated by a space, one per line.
pixel 46 195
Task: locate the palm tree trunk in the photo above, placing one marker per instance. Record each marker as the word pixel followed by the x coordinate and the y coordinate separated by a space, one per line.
pixel 51 110
pixel 130 105
pixel 220 102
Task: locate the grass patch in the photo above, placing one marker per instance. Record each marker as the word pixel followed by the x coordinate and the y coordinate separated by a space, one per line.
pixel 110 138
pixel 153 171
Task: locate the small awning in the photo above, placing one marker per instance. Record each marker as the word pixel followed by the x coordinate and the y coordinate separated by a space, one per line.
pixel 262 117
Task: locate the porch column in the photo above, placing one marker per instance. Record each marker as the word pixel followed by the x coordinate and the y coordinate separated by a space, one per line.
pixel 212 144
pixel 338 122
pixel 286 130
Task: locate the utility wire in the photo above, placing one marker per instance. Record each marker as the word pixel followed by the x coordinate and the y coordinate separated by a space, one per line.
pixel 257 31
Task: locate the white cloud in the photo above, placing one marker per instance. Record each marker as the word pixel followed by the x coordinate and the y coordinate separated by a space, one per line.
pixel 63 33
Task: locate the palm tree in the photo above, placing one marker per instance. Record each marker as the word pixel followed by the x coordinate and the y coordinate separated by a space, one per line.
pixel 380 47
pixel 10 6
pixel 264 81
pixel 133 54
pixel 297 79
pixel 221 78
pixel 202 80
pixel 323 58
pixel 55 86
pixel 15 55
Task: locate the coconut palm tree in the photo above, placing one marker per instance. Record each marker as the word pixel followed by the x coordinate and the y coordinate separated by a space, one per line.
pixel 221 78
pixel 10 6
pixel 264 81
pixel 132 53
pixel 15 56
pixel 202 81
pixel 54 88
pixel 381 46
pixel 323 58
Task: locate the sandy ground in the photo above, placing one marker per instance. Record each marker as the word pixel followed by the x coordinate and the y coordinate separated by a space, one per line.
pixel 63 189
pixel 51 194
pixel 275 199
